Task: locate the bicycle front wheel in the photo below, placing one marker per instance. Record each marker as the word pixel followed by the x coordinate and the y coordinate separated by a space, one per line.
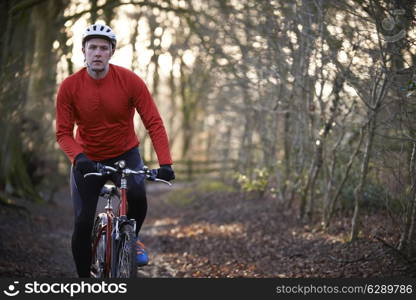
pixel 125 253
pixel 99 242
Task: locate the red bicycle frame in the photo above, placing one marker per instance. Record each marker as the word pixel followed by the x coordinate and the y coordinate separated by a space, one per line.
pixel 112 222
pixel 108 227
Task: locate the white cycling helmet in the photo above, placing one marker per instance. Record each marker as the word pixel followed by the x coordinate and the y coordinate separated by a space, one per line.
pixel 99 31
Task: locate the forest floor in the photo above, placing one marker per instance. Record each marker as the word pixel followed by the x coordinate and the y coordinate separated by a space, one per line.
pixel 211 234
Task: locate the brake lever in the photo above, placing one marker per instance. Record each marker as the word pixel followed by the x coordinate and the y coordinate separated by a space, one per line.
pixel 93 174
pixel 152 176
pixel 164 181
pixel 104 168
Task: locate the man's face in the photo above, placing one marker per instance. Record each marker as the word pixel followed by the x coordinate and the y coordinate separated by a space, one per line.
pixel 97 54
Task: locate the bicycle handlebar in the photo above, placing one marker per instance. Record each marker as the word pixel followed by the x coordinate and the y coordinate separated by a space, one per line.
pixel 107 170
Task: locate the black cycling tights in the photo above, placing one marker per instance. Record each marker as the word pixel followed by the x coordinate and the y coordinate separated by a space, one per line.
pixel 85 192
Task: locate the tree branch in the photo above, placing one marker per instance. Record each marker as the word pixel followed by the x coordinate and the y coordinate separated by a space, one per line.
pixel 24 5
pixel 114 5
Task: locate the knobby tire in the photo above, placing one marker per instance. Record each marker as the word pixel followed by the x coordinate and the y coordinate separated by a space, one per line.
pixel 125 255
pixel 98 257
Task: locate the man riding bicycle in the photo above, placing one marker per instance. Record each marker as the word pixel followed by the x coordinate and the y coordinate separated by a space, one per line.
pixel 101 100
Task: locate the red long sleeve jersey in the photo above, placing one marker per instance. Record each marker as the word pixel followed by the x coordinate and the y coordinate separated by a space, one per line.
pixel 103 110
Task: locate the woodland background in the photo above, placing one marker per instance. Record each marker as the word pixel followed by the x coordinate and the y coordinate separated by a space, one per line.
pixel 306 103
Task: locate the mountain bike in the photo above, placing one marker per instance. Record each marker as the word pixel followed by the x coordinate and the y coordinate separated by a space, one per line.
pixel 113 235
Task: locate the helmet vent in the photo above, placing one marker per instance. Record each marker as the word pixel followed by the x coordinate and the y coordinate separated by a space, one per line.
pixel 94 27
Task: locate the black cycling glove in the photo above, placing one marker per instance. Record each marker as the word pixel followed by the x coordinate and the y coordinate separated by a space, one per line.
pixel 165 172
pixel 85 165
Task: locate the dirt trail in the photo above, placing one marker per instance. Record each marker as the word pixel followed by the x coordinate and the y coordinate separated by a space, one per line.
pixel 217 235
pixel 38 244
pixel 149 233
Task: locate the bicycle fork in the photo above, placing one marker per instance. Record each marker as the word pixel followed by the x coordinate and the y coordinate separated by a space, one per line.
pixel 123 189
pixel 123 206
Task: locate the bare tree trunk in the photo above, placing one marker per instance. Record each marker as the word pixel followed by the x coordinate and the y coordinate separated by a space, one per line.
pixel 245 152
pixel 109 10
pixel 286 153
pixel 378 94
pixel 39 107
pixel 318 159
pixel 358 192
pixel 94 9
pixel 188 112
pixel 329 209
pixel 411 251
pixel 173 112
pixel 409 224
pixel 133 40
pixel 28 84
pixel 225 153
